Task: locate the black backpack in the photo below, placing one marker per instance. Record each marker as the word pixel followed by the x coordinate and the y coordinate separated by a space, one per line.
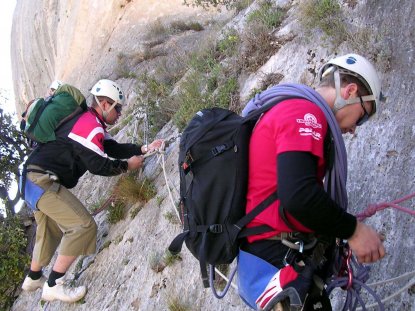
pixel 213 167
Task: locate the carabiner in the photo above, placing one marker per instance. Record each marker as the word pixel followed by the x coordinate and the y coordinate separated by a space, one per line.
pixel 349 269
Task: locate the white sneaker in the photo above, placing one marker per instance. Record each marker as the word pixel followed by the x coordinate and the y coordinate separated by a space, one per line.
pixel 31 285
pixel 63 292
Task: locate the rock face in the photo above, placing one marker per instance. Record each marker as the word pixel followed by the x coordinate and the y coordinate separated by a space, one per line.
pixel 81 41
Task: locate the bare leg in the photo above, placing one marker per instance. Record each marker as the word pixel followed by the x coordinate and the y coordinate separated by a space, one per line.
pixel 63 263
pixel 34 266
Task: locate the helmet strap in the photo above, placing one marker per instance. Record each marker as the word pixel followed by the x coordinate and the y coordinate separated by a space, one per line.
pixel 104 113
pixel 340 102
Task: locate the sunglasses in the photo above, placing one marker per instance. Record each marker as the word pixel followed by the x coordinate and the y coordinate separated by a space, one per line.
pixel 118 108
pixel 365 116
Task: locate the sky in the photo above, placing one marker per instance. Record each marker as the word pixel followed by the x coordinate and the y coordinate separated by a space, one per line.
pixel 6 16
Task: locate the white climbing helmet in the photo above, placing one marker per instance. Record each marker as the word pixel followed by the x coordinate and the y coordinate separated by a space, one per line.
pixel 359 67
pixel 55 84
pixel 109 89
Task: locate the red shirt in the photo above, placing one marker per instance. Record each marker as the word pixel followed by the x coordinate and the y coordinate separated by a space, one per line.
pixel 292 125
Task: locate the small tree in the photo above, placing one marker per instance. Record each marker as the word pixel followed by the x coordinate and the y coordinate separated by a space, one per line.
pixel 13 256
pixel 13 149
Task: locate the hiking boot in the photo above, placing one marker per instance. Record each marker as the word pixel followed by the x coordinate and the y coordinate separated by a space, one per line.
pixel 31 285
pixel 289 283
pixel 62 292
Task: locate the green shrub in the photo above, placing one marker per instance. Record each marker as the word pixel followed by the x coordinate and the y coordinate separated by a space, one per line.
pixel 13 260
pixel 325 15
pixel 258 42
pixel 190 99
pixel 116 211
pixel 209 84
pixel 267 14
pixel 153 101
pixel 241 5
pixel 225 92
pixel 228 45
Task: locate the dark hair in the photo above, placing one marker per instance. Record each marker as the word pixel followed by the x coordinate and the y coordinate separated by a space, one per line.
pixel 328 81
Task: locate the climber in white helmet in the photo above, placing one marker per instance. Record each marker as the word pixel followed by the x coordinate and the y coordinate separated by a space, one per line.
pixel 291 154
pixel 53 87
pixel 82 144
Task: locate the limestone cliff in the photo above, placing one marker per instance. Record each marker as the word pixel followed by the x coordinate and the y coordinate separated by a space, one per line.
pixel 82 41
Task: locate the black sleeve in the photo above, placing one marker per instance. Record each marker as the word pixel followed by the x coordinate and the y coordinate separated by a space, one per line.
pixel 121 151
pixel 304 198
pixel 97 164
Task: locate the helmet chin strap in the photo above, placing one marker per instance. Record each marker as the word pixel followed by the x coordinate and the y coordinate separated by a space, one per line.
pixel 104 113
pixel 340 102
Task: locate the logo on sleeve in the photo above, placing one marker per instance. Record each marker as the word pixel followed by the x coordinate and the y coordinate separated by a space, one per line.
pixel 310 122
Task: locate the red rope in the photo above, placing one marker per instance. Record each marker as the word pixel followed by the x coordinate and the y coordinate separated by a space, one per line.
pixel 373 208
pixel 105 205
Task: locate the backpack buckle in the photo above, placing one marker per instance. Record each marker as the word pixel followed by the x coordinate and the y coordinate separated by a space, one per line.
pixel 218 149
pixel 186 165
pixel 216 228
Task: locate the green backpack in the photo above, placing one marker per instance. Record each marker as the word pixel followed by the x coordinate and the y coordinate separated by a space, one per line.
pixel 44 116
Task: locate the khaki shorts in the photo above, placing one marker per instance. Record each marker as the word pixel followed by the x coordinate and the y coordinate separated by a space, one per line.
pixel 61 219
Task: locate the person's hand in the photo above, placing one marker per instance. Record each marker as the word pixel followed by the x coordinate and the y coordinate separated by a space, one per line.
pixel 366 244
pixel 135 162
pixel 155 145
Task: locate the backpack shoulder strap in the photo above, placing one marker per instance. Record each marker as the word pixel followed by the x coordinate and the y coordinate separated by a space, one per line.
pixel 240 225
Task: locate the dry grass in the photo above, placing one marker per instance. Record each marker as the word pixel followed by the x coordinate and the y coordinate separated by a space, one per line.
pixel 176 304
pixel 129 189
pixel 257 47
pixel 182 26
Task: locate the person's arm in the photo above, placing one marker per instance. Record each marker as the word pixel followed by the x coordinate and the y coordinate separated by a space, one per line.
pixel 125 151
pixel 121 151
pixel 99 164
pixel 304 198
